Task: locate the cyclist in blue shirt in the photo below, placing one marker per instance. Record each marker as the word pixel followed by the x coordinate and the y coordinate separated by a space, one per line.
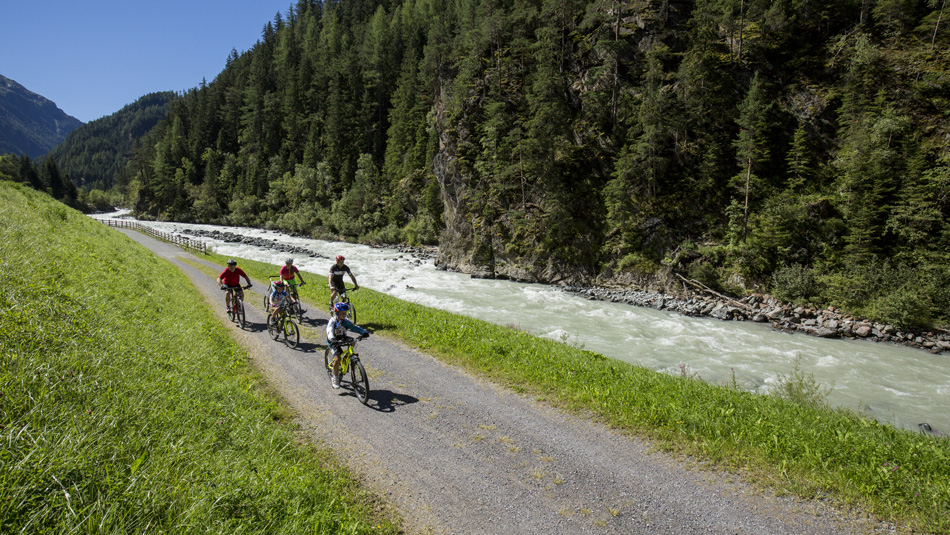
pixel 279 294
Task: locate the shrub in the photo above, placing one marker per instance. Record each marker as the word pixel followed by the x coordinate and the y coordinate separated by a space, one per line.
pixel 794 283
pixel 705 273
pixel 907 308
pixel 802 388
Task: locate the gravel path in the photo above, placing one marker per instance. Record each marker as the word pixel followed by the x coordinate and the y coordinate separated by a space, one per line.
pixel 454 454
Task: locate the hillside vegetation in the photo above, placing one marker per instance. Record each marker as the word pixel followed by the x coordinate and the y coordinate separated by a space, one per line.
pixel 96 153
pixel 125 407
pixel 790 146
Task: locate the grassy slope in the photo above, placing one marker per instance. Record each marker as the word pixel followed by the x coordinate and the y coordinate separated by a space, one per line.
pixel 126 407
pixel 809 450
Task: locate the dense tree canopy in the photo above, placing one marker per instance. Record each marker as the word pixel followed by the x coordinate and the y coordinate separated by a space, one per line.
pixel 796 146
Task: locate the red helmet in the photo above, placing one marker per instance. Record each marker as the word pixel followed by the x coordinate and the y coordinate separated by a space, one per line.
pixel 340 258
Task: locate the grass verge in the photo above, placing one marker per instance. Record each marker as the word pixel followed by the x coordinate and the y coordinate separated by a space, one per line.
pixel 805 448
pixel 126 407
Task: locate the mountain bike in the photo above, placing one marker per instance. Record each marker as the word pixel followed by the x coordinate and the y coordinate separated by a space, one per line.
pixel 236 310
pixel 349 361
pixel 342 297
pixel 295 309
pixel 280 324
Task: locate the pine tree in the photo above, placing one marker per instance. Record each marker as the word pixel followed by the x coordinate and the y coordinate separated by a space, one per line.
pixel 752 147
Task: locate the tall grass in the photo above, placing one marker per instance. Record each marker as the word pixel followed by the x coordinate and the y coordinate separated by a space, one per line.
pixel 125 407
pixel 793 441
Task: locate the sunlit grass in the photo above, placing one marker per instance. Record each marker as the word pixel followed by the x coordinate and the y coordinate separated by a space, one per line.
pixel 126 407
pixel 801 447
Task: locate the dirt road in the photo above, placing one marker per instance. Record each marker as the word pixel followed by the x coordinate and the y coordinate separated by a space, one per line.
pixel 455 454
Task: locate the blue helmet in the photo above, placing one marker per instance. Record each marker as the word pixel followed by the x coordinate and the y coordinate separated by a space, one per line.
pixel 341 307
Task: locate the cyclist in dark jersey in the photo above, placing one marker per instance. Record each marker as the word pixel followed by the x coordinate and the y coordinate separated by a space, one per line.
pixel 231 278
pixel 336 279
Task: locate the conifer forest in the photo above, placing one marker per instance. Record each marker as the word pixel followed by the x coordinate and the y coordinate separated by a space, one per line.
pixel 795 147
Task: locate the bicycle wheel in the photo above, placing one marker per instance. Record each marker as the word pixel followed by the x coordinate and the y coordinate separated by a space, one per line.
pixel 273 325
pixel 360 381
pixel 231 311
pixel 297 311
pixel 352 312
pixel 239 316
pixel 291 333
pixel 328 363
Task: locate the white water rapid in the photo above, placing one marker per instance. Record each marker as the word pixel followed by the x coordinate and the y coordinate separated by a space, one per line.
pixel 894 384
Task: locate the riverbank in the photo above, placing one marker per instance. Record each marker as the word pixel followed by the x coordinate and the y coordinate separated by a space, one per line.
pixel 759 308
pixel 694 300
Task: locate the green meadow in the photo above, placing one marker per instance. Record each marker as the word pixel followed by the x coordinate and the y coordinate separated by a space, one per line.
pixel 126 406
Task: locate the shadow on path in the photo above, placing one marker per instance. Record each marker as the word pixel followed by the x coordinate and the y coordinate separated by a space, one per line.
pixel 387 401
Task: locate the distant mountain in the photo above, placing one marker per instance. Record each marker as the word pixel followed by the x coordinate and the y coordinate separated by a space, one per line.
pixel 29 123
pixel 97 151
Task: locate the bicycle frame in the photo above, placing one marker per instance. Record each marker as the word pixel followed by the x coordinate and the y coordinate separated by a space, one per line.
pixel 234 296
pixel 345 357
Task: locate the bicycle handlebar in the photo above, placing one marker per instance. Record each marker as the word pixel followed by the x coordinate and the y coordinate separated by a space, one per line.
pixel 348 340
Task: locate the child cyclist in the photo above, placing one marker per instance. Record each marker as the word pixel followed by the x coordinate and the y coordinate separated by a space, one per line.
pixel 279 295
pixel 336 333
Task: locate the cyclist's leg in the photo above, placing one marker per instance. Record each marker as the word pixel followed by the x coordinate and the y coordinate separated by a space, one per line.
pixel 337 353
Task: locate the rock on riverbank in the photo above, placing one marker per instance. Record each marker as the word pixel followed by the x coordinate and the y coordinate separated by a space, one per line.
pixel 827 323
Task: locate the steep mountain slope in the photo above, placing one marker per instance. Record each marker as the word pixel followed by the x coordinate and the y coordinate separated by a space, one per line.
pixel 795 147
pixel 96 152
pixel 29 123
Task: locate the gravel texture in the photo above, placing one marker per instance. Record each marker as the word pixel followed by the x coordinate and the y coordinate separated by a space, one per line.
pixel 454 454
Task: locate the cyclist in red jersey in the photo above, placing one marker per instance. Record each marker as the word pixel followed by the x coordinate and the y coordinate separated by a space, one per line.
pixel 231 278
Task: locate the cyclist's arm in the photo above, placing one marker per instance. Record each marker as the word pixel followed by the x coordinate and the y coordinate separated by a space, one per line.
pixel 354 327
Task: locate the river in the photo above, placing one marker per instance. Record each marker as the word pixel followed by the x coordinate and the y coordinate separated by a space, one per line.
pixel 893 384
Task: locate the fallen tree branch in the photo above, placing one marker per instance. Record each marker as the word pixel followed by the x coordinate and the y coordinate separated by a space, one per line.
pixel 703 287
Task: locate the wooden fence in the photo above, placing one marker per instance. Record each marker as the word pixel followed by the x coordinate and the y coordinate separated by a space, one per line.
pixel 181 241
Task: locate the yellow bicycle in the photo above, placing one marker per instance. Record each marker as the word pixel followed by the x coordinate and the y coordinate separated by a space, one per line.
pixel 280 324
pixel 349 361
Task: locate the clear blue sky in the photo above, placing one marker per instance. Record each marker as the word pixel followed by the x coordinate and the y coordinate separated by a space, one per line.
pixel 93 57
